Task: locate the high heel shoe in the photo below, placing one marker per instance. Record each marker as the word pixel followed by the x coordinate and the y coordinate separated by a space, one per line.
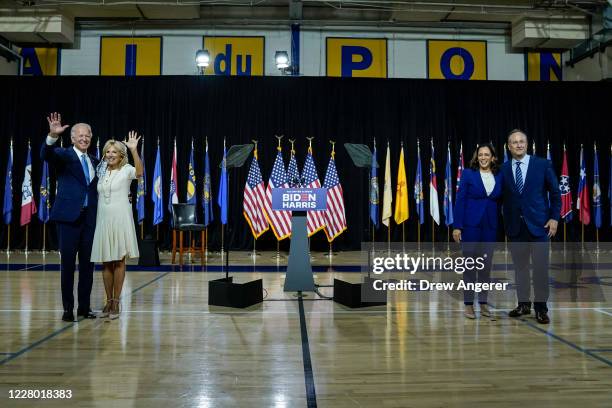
pixel 469 312
pixel 113 315
pixel 484 310
pixel 105 312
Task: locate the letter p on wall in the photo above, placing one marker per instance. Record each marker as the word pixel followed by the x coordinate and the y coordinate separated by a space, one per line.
pixel 356 57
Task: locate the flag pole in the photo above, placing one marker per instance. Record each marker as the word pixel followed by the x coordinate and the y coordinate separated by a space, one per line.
pixel 8 226
pixel 333 153
pixel 44 249
pixel 433 232
pixel 205 243
pixel 312 258
pixel 278 147
pixel 223 226
pixel 27 238
pixel 277 250
pixel 254 254
pixel 142 222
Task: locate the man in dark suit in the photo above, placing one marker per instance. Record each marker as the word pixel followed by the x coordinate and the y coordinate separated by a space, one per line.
pixel 74 210
pixel 531 209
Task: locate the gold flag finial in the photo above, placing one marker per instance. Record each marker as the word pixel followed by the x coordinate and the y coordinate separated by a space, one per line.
pixel 255 151
pixel 309 144
pixel 279 141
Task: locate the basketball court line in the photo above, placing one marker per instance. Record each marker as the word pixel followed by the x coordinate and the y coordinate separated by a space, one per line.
pixel 65 328
pixel 559 338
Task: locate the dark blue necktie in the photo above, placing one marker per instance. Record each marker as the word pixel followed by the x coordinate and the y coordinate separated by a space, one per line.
pixel 86 171
pixel 519 177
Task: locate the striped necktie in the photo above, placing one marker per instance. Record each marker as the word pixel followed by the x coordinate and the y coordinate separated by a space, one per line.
pixel 519 177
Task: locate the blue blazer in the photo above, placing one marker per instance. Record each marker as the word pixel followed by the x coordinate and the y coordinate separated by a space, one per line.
pixel 539 201
pixel 472 202
pixel 71 185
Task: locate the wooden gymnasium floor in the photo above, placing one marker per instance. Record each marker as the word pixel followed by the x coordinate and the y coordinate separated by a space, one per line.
pixel 170 349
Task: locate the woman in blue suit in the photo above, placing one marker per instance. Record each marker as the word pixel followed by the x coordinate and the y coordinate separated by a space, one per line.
pixel 476 209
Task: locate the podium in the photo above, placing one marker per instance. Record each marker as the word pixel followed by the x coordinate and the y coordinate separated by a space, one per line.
pixel 299 269
pixel 299 200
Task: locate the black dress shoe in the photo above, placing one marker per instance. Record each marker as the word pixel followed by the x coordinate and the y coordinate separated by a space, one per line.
pixel 87 315
pixel 520 310
pixel 542 318
pixel 68 317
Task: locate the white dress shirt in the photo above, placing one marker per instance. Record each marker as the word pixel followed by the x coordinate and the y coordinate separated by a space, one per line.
pixel 51 141
pixel 524 166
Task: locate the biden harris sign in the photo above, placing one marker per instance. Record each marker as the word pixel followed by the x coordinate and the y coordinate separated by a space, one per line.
pixel 299 199
pixel 357 57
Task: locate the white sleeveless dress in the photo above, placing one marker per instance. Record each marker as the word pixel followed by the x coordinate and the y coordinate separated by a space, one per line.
pixel 115 235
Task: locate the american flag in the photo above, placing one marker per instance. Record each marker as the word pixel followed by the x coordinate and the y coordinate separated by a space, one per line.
pixel 280 221
pixel 254 199
pixel 293 174
pixel 315 220
pixel 335 219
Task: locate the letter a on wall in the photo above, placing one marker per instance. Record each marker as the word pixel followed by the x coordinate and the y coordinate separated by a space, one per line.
pixel 456 59
pixel 241 56
pixel 40 61
pixel 357 57
pixel 130 56
pixel 543 66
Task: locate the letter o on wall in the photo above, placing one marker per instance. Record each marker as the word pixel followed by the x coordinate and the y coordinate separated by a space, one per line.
pixel 468 63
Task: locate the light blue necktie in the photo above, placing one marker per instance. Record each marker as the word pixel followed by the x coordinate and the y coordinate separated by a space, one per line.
pixel 86 171
pixel 519 177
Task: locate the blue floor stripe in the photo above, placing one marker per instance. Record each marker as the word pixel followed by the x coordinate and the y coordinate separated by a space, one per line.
pixel 65 328
pixel 259 268
pixel 188 268
pixel 567 342
pixel 588 352
pixel 311 395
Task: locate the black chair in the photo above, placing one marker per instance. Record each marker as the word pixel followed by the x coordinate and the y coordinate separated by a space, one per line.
pixel 183 217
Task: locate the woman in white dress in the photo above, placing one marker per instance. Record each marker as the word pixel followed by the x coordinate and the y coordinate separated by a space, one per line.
pixel 115 236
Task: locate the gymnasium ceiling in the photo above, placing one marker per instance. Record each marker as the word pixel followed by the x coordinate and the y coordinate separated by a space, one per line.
pixel 533 23
pixel 101 13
